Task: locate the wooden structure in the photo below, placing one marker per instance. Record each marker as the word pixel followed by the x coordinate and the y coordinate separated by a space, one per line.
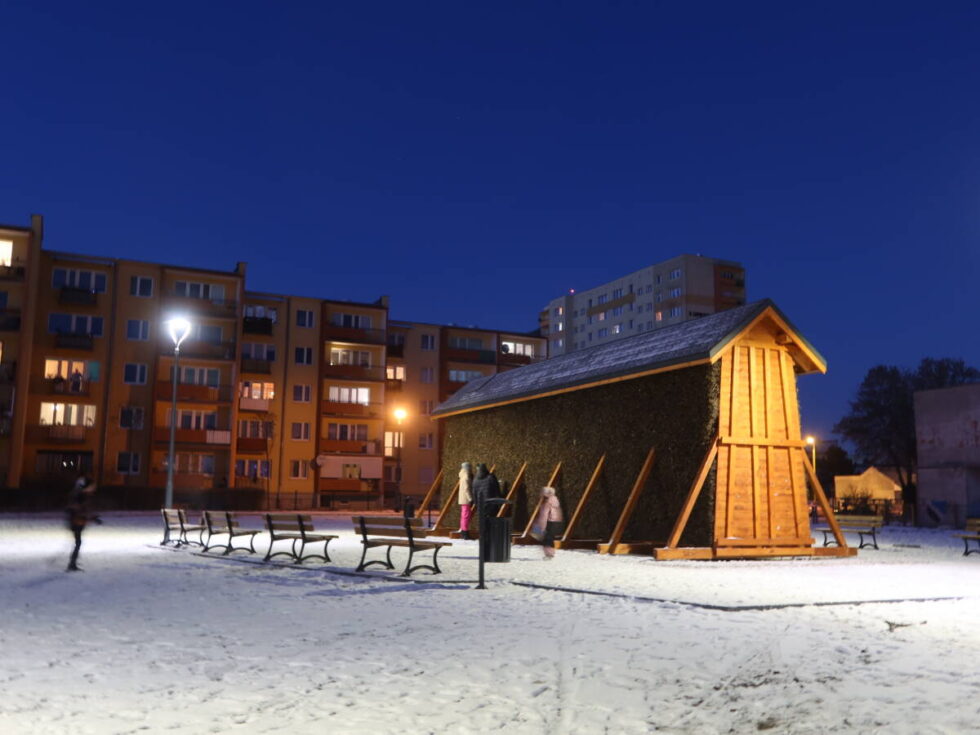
pixel 695 427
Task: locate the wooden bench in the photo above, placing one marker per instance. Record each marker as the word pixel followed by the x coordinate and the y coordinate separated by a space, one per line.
pixel 175 524
pixel 861 525
pixel 389 531
pixel 971 532
pixel 297 529
pixel 224 523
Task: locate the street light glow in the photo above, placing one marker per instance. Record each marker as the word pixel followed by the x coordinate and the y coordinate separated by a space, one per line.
pixel 179 328
pixel 811 441
pixel 400 414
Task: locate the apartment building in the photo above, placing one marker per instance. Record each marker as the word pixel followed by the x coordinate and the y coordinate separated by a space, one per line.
pixel 682 288
pixel 351 428
pixel 100 391
pixel 287 401
pixel 427 363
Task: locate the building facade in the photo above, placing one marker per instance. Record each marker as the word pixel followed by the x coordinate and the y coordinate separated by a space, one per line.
pixel 284 401
pixel 948 447
pixel 427 363
pixel 671 292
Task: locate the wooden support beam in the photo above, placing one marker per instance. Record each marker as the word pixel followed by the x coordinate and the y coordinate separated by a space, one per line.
pixel 624 516
pixel 692 495
pixel 429 495
pixel 445 508
pixel 512 492
pixel 823 502
pixel 593 481
pixel 747 441
pixel 537 506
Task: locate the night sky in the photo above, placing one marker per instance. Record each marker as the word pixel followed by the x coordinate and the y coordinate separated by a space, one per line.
pixel 475 160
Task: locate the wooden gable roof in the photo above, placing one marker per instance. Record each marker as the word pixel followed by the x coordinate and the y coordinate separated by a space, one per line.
pixel 695 342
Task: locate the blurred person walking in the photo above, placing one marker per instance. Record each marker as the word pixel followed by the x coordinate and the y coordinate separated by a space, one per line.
pixel 79 514
pixel 549 522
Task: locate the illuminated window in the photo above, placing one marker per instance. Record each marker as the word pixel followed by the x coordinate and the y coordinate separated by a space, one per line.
pixel 6 252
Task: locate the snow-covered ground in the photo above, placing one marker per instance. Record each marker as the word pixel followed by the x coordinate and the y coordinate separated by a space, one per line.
pixel 155 640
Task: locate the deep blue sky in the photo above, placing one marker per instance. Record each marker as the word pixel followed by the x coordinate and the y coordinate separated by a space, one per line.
pixel 474 160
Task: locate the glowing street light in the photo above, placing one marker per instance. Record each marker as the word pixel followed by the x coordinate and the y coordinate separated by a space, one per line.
pixel 812 441
pixel 178 328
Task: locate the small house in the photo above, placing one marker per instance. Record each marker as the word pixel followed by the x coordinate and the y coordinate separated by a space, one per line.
pixel 683 441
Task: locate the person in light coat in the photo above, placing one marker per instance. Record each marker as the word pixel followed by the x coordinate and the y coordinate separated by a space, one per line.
pixel 549 522
pixel 465 499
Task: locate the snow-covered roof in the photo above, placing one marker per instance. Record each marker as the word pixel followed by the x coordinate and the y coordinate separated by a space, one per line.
pixel 697 340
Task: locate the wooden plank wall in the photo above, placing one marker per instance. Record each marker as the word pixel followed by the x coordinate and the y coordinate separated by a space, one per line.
pixel 761 486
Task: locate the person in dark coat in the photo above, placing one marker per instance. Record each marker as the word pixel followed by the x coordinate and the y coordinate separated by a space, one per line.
pixel 485 485
pixel 79 514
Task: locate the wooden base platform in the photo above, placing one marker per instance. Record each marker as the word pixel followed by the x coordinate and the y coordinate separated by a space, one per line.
pixel 758 552
pixel 627 547
pixel 579 543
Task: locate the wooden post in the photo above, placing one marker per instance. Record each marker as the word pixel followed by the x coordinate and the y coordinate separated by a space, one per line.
pixel 512 493
pixel 593 481
pixel 445 508
pixel 692 495
pixel 551 483
pixel 429 495
pixel 822 500
pixel 617 534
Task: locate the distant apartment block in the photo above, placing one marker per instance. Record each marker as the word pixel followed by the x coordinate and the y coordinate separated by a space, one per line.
pixel 682 288
pixel 427 363
pixel 290 400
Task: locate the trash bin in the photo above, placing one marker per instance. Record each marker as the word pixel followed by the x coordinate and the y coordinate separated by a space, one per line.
pixel 496 546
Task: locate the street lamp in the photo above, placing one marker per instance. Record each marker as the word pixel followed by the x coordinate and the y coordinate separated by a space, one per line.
pixel 400 414
pixel 812 441
pixel 178 329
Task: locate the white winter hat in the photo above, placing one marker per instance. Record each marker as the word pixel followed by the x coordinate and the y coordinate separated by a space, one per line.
pixel 547 491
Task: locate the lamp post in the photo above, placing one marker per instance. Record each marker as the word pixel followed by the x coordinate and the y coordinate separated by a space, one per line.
pixel 812 441
pixel 399 414
pixel 178 328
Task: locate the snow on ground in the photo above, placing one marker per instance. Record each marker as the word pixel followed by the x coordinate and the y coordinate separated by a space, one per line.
pixel 155 640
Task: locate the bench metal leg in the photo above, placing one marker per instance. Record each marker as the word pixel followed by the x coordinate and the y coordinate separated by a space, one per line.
pixel 434 567
pixel 828 538
pixel 385 563
pixel 966 547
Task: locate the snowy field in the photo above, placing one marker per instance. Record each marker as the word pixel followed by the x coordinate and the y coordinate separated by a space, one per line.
pixel 155 640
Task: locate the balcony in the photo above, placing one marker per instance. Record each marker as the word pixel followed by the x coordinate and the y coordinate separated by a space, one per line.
pixel 70 341
pixel 202 350
pixel 335 408
pixel 349 446
pixel 77 296
pixel 61 434
pixel 252 444
pixel 485 357
pixel 12 272
pixel 74 386
pixel 257 325
pixel 354 372
pixel 9 320
pixel 251 365
pixel 221 437
pixel 254 404
pixel 396 350
pixel 509 358
pixel 340 484
pixel 354 334
pixel 393 385
pixel 192 393
pixel 222 308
